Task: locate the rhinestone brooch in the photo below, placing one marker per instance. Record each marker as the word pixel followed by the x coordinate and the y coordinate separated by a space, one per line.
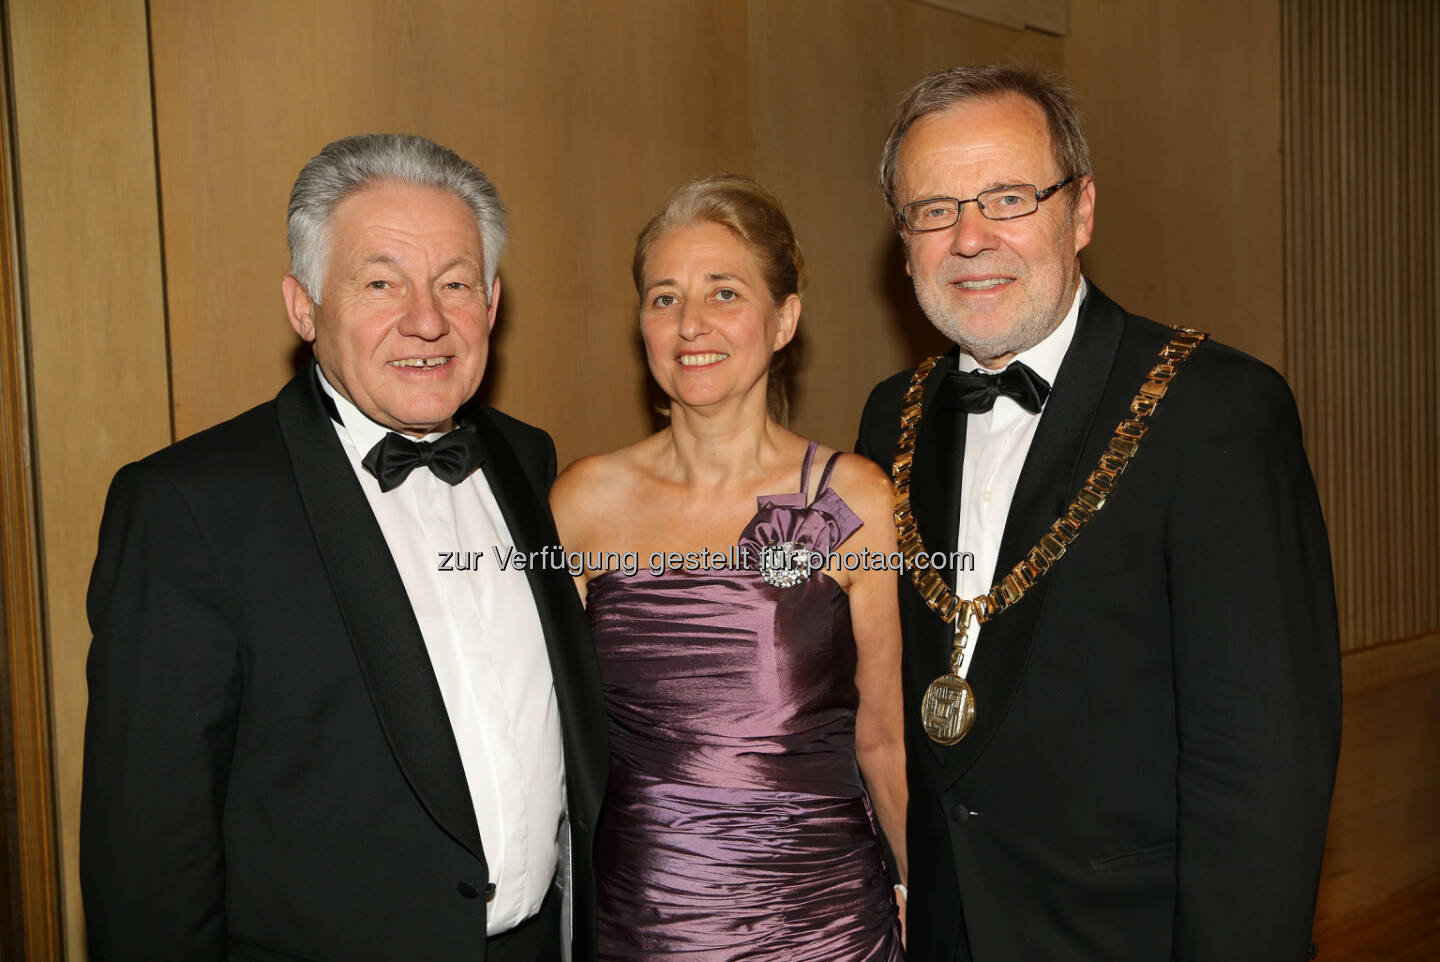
pixel 785 564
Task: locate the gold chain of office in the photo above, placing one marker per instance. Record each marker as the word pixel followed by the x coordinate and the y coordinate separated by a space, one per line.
pixel 948 709
pixel 1090 499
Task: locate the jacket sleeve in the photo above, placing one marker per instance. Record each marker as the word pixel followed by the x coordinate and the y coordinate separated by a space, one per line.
pixel 1257 680
pixel 165 680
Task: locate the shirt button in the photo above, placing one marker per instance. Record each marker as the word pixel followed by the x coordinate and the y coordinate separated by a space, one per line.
pixel 986 497
pixel 468 890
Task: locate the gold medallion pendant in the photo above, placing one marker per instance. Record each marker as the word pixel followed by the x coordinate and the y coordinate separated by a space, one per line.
pixel 948 711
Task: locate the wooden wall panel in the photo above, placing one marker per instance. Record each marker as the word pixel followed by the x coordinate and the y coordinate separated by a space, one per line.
pixel 586 116
pixel 1181 103
pixel 1362 139
pixel 821 111
pixel 1361 86
pixel 94 315
pixel 30 891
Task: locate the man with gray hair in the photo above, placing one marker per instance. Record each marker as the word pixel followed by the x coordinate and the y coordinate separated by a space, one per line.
pixel 1123 720
pixel 310 736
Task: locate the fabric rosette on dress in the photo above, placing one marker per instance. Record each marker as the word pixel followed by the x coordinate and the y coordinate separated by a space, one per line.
pixel 788 540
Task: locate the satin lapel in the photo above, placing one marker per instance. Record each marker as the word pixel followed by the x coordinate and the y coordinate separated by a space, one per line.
pixel 567 635
pixel 1048 481
pixel 935 500
pixel 377 612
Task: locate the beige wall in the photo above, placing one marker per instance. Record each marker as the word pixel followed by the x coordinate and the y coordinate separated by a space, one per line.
pixel 585 114
pixel 1182 108
pixel 91 261
pixel 1361 88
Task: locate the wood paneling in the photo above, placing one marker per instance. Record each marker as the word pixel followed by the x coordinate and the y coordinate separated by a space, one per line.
pixel 1010 13
pixel 583 114
pixel 586 116
pixel 94 313
pixel 1362 148
pixel 31 894
pixel 821 111
pixel 1181 103
pixel 1361 87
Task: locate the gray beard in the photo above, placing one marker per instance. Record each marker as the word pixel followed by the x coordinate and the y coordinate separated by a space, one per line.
pixel 1028 330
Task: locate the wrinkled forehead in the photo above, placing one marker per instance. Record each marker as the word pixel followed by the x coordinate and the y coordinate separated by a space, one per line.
pixel 388 218
pixel 995 138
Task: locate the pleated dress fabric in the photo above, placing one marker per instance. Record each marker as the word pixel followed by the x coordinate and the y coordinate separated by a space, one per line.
pixel 736 824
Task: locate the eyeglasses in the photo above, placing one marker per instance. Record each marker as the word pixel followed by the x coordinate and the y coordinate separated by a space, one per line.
pixel 999 203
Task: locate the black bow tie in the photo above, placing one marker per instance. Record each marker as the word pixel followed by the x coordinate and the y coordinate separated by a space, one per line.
pixel 976 392
pixel 451 458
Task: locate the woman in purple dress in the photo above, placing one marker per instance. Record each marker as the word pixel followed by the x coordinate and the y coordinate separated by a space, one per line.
pixel 748 636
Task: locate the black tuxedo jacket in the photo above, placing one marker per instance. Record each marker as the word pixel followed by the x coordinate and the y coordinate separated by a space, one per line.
pixel 270 771
pixel 1158 723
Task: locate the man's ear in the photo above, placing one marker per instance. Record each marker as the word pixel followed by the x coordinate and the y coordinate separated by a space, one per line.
pixel 1085 214
pixel 299 307
pixel 494 300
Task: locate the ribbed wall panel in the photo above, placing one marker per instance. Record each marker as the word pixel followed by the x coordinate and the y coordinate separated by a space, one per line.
pixel 1361 96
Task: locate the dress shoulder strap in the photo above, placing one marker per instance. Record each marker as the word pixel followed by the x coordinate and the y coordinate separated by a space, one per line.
pixel 805 470
pixel 825 476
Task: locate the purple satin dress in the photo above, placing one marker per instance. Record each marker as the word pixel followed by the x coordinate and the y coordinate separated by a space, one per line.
pixel 736 825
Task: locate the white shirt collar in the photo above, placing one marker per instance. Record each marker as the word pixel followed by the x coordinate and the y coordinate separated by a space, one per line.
pixel 1044 358
pixel 363 432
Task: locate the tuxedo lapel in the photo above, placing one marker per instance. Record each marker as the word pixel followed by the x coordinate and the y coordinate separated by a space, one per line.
pixel 377 612
pixel 1048 482
pixel 567 637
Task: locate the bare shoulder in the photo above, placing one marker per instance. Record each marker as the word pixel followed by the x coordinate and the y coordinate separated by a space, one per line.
pixel 582 477
pixel 576 482
pixel 587 488
pixel 592 492
pixel 864 487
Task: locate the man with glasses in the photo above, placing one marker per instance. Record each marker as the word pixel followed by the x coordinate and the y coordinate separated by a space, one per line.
pixel 1123 720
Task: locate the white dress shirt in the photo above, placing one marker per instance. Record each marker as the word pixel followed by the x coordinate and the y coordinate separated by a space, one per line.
pixel 483 634
pixel 996 445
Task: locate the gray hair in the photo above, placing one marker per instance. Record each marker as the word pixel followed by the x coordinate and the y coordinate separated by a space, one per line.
pixel 937 92
pixel 350 165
